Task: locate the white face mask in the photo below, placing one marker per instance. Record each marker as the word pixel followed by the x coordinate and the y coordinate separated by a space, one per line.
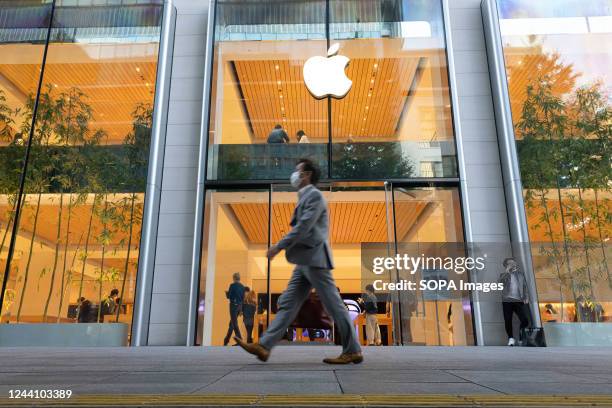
pixel 295 179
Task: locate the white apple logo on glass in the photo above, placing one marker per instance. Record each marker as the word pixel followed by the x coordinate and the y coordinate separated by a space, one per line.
pixel 325 76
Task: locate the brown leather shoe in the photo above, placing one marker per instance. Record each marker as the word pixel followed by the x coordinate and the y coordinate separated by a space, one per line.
pixel 345 358
pixel 256 349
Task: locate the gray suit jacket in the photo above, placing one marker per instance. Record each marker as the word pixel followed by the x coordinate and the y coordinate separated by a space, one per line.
pixel 306 243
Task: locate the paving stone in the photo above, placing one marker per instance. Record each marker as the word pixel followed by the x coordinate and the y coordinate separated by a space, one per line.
pixel 299 369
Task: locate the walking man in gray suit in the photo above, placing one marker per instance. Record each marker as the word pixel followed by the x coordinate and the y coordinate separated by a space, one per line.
pixel 306 246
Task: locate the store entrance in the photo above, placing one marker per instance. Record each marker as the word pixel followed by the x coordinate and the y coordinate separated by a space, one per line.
pixel 241 224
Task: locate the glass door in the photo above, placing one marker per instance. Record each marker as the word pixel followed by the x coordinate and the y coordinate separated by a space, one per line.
pixel 428 223
pixel 366 220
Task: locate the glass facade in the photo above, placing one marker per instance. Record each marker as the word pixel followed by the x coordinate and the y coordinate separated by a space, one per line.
pixel 240 224
pixel 86 114
pixel 558 57
pixel 395 122
pixel 393 126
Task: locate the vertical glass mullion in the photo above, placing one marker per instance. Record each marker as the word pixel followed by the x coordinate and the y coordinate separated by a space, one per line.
pixel 269 266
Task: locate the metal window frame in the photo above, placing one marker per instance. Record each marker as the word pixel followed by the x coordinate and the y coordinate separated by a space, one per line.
pixel 203 183
pixel 511 175
pixel 150 218
pixel 196 250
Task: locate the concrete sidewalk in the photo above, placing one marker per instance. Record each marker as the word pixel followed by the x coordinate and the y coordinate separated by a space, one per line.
pixel 299 370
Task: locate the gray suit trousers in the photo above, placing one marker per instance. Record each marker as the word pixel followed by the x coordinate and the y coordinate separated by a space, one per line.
pixel 290 302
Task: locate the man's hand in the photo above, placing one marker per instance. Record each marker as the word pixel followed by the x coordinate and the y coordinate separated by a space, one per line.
pixel 272 252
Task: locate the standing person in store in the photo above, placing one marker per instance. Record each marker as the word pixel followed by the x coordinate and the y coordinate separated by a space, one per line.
pixel 302 137
pixel 249 307
pixel 515 297
pixel 84 311
pixel 109 304
pixel 370 305
pixel 306 246
pixel 235 295
pixel 278 135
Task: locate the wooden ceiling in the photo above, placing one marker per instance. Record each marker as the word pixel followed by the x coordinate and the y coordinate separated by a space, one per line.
pixel 46 226
pixel 274 92
pixel 350 222
pixel 113 89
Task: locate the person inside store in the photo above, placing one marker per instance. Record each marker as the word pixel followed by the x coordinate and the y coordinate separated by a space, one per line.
pixel 550 313
pixel 235 295
pixel 307 246
pixel 302 137
pixel 588 311
pixel 249 307
pixel 278 135
pixel 515 297
pixel 84 311
pixel 109 304
pixel 370 306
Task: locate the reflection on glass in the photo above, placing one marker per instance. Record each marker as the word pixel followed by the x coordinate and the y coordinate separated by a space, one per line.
pixel 395 121
pixel 257 85
pixel 557 61
pixel 79 230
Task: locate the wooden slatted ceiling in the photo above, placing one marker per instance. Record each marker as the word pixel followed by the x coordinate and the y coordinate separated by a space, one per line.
pixel 113 89
pixel 274 92
pixel 273 85
pixel 350 222
pixel 46 227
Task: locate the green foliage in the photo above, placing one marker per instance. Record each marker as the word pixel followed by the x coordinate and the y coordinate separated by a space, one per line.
pixel 370 161
pixel 564 154
pixel 68 157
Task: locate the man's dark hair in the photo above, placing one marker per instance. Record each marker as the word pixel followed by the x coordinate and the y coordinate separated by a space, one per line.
pixel 114 292
pixel 300 132
pixel 370 288
pixel 308 165
pixel 278 126
pixel 505 262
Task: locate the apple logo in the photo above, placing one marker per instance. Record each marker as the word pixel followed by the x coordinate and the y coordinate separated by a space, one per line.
pixel 325 76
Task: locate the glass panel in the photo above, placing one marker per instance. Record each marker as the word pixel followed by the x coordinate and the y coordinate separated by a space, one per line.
pixel 259 53
pixel 425 218
pixel 236 240
pixel 79 233
pixel 23 31
pixel 359 215
pixel 558 59
pixel 395 122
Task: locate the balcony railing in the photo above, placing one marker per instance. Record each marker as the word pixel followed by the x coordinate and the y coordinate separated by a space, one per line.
pixel 376 160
